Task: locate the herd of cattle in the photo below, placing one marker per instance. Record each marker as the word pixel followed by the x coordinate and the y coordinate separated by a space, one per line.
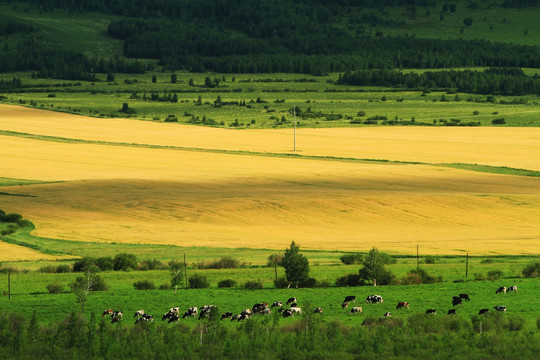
pixel 262 308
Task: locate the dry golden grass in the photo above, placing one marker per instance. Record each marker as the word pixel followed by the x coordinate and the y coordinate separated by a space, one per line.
pixel 10 252
pixel 130 195
pixel 512 147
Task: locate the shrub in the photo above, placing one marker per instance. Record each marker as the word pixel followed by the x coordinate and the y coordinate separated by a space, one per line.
pixel 499 121
pixel 253 285
pixel 420 276
pixel 532 270
pixel 105 263
pixel 99 284
pixel 281 283
pixel 479 276
pixel 494 274
pixel 430 259
pixel 309 283
pixel 83 264
pixel 198 282
pixel 350 259
pixel 125 262
pixel 63 268
pixel 228 283
pixel 55 288
pixel 48 269
pixel 349 280
pixel 144 285
pixel 164 286
pixel 153 264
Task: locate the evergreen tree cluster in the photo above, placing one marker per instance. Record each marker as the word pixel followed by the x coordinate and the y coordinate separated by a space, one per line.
pixel 509 81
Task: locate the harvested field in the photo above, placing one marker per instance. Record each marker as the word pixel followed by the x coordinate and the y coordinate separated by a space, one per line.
pixel 511 147
pixel 135 195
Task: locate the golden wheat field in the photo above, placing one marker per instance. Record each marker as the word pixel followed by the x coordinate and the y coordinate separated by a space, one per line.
pixel 512 147
pixel 192 198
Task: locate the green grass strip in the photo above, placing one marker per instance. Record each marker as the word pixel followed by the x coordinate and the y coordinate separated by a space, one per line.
pixel 472 167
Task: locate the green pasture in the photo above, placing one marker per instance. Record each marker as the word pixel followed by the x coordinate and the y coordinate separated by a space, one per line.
pixel 269 99
pixel 28 292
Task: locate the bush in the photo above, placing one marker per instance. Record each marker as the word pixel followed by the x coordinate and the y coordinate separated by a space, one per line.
pixel 125 262
pixel 63 269
pixel 144 285
pixel 494 274
pixel 198 282
pixel 99 284
pixel 164 286
pixel 499 121
pixel 479 276
pixel 351 259
pixel 253 285
pixel 83 264
pixel 55 288
pixel 228 283
pixel 349 280
pixel 430 259
pixel 419 276
pixel 309 283
pixel 105 263
pixel 153 264
pixel 281 283
pixel 532 270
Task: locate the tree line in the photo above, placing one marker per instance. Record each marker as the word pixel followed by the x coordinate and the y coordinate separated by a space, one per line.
pixel 510 81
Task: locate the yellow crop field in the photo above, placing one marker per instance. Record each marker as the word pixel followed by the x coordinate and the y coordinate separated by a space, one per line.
pixel 511 147
pixel 10 252
pixel 191 198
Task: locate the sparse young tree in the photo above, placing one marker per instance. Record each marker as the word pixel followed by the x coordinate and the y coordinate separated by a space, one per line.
pixel 295 264
pixel 83 285
pixel 177 274
pixel 373 266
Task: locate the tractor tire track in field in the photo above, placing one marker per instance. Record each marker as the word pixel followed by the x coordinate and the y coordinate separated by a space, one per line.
pixel 471 167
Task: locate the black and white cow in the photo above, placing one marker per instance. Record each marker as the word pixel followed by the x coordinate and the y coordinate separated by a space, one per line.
pixel 456 300
pixel 387 314
pixel 500 308
pixel 512 288
pixel 501 289
pixel 144 317
pixel 277 304
pixel 464 297
pixel 350 298
pixel 374 299
pixel 138 313
pixel 317 310
pixel 291 300
pixel 287 313
pixel 192 311
pixel 431 311
pixel 355 310
pixel 227 315
pixel 344 305
pixel 205 311
pixel 259 308
pixel 296 310
pixel 107 312
pixel 483 311
pixel 116 317
pixel 451 312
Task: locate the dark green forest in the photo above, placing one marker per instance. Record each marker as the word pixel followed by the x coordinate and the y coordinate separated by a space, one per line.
pixel 312 37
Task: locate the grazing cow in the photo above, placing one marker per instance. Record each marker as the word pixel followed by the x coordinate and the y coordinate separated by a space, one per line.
pixel 236 318
pixel 139 313
pixel 175 310
pixel 451 312
pixel 277 304
pixel 291 300
pixel 501 289
pixel 344 305
pixel 296 310
pixel 431 311
pixel 464 297
pixel 483 311
pixel 402 304
pixel 387 314
pixel 259 308
pixel 512 288
pixel 192 311
pixel 226 315
pixel 287 313
pixel 500 308
pixel 266 311
pixel 205 311
pixel 144 317
pixel 456 300
pixel 116 317
pixel 350 298
pixel 107 312
pixel 355 309
pixel 317 310
pixel 374 299
pixel 173 318
pixel 246 312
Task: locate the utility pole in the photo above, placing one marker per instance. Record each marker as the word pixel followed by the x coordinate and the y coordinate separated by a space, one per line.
pixel 467 266
pixel 294 121
pixel 185 270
